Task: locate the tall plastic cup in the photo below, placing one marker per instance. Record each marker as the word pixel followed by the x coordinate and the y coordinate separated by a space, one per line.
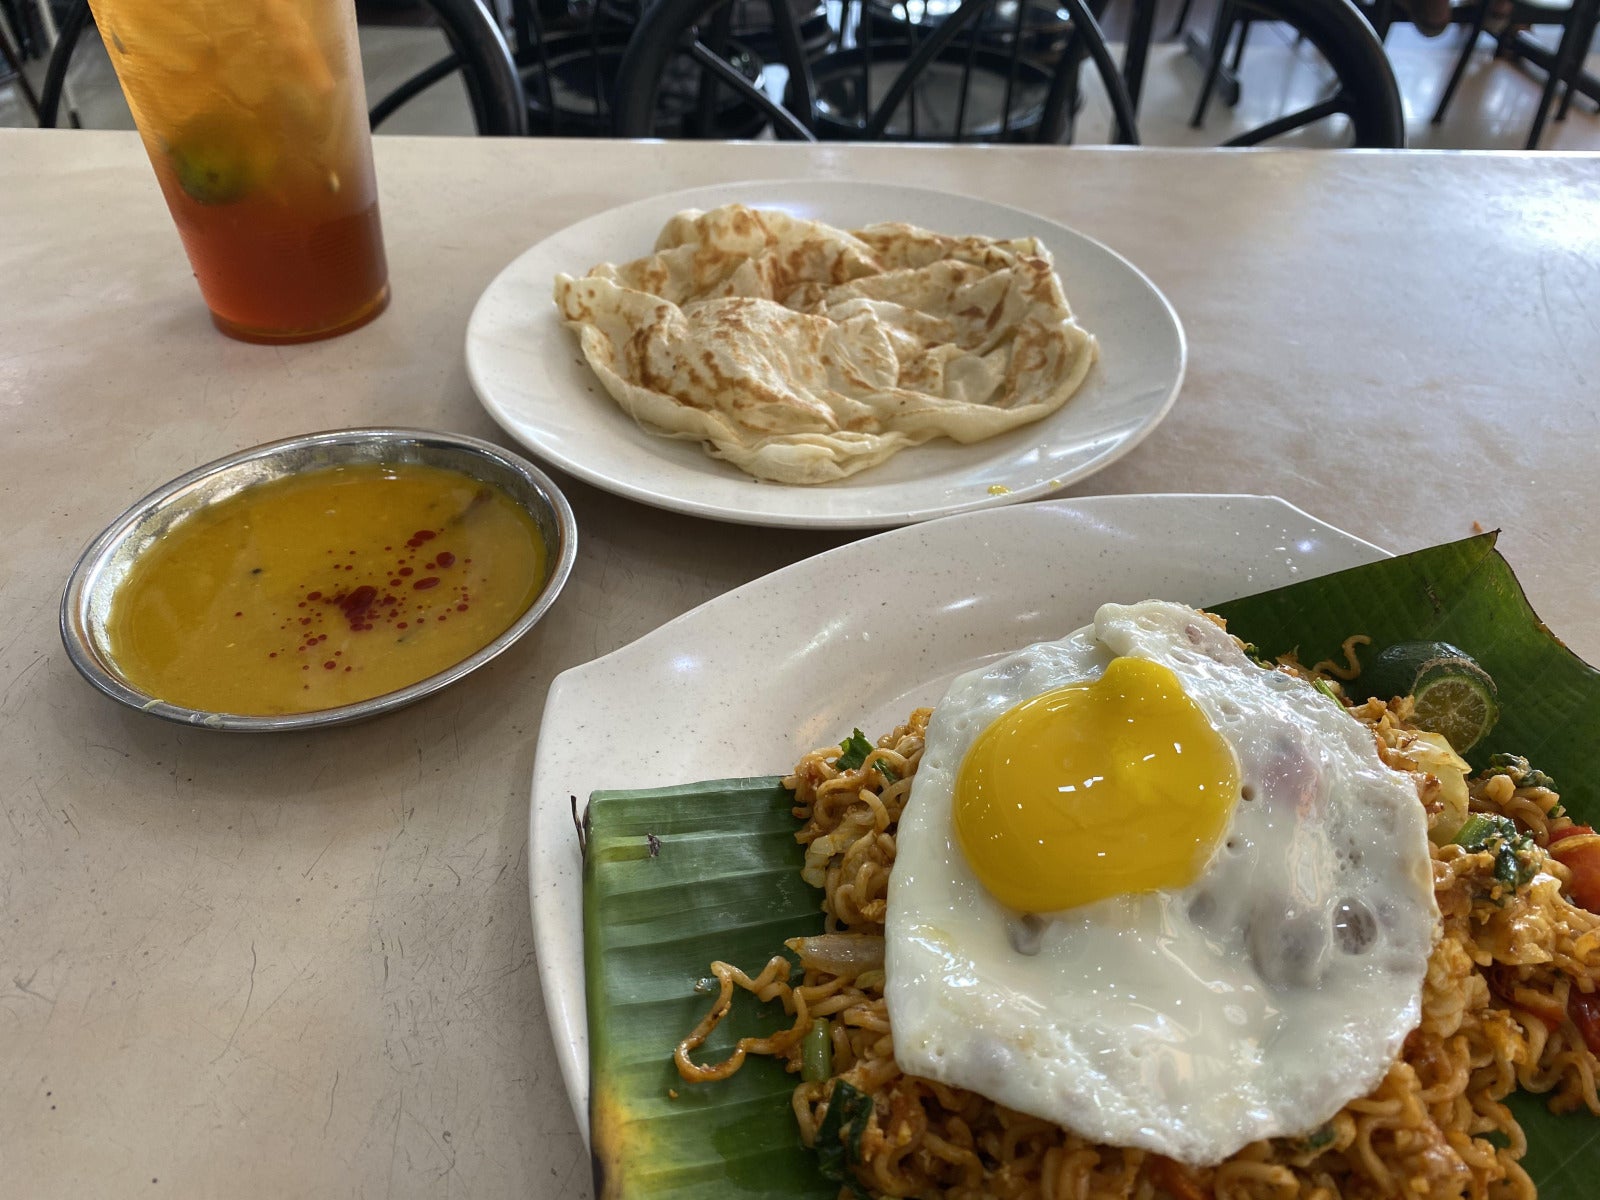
pixel 254 115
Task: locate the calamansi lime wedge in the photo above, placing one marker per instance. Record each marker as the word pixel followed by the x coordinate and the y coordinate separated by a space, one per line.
pixel 220 159
pixel 1452 694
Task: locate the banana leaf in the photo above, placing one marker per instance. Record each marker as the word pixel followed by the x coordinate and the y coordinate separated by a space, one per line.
pixel 677 877
pixel 1463 593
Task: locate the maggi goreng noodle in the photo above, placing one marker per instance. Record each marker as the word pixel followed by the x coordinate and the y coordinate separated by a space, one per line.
pixel 1505 998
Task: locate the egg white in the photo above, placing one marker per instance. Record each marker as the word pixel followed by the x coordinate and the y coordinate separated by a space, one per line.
pixel 1254 1003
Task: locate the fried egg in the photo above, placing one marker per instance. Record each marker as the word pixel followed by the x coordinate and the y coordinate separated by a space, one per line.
pixel 1155 893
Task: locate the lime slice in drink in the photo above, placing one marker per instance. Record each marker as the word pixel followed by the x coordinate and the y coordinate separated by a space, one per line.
pixel 1452 695
pixel 218 159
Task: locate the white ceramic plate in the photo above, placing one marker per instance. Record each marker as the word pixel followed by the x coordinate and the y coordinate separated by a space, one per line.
pixel 530 375
pixel 747 683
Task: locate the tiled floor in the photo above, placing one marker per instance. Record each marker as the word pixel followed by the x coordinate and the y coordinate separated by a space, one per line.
pixel 1492 110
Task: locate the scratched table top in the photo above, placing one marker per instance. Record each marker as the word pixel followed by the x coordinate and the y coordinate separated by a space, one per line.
pixel 303 966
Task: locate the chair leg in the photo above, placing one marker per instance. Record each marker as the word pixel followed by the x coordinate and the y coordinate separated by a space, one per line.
pixel 1467 48
pixel 47 22
pixel 1238 47
pixel 1585 37
pixel 1565 52
pixel 1382 17
pixel 1183 17
pixel 1221 30
pixel 13 61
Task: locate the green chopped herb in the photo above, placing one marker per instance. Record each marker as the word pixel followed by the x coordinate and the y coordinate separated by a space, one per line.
pixel 888 772
pixel 1326 688
pixel 853 751
pixel 839 1138
pixel 1318 1138
pixel 1515 860
pixel 1514 863
pixel 1478 830
pixel 1253 653
pixel 816 1053
pixel 1520 772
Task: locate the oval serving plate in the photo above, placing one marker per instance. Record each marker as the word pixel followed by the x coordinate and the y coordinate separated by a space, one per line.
pixel 749 681
pixel 531 377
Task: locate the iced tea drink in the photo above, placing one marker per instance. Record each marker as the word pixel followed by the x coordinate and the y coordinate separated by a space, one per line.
pixel 254 116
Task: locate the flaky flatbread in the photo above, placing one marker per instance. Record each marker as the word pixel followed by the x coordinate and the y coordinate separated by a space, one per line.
pixel 803 353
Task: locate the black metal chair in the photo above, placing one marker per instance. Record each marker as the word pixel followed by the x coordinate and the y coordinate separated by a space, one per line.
pixel 1577 21
pixel 568 58
pixel 477 49
pixel 985 70
pixel 1364 88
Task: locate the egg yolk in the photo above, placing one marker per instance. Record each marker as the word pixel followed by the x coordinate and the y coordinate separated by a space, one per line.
pixel 1095 790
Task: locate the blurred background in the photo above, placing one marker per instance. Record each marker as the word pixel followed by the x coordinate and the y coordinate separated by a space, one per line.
pixel 562 51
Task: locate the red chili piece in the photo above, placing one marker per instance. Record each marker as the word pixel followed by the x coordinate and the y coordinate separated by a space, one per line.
pixel 1583 862
pixel 1584 1009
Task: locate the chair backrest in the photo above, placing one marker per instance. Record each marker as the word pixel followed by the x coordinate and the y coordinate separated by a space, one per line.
pixel 1366 90
pixel 981 70
pixel 477 49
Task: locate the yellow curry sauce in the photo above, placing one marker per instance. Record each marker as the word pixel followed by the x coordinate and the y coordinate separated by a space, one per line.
pixel 324 589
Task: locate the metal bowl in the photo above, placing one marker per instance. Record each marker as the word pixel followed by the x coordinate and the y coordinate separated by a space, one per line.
pixel 104 565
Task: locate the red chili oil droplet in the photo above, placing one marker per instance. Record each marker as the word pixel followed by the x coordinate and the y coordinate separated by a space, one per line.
pixel 305 620
pixel 338 653
pixel 307 667
pixel 313 595
pixel 272 654
pixel 430 566
pixel 445 559
pixel 461 608
pixel 347 668
pixel 441 616
pixel 403 625
pixel 404 571
pixel 423 585
pixel 329 665
pixel 302 604
pixel 394 583
pixel 238 614
pixel 352 554
pixel 355 605
pixel 424 535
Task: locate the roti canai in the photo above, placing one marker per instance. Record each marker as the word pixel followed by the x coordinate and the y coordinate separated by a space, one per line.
pixel 802 354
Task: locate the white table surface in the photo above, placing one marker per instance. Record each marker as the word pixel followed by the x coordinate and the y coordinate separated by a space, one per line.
pixel 302 966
